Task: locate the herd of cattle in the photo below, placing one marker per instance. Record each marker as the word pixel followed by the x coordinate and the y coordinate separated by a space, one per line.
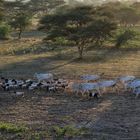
pixel 91 85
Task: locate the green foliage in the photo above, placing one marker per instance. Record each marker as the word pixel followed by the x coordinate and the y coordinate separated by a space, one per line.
pixel 1 10
pixel 100 30
pixel 4 31
pixel 21 22
pixel 37 135
pixel 128 16
pixel 124 37
pixel 125 14
pixel 1 15
pixel 68 131
pixel 11 128
pixel 81 25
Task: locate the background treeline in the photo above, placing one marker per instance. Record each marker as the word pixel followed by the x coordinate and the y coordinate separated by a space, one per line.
pixel 83 26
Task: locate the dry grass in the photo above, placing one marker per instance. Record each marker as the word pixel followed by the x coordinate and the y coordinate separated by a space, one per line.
pixel 30 55
pixel 114 117
pixel 27 59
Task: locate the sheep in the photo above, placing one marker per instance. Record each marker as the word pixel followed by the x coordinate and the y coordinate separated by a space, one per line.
pixel 44 85
pixel 44 77
pixel 33 86
pixel 5 87
pixel 19 93
pixel 61 84
pixel 13 84
pixel 52 88
pixel 1 85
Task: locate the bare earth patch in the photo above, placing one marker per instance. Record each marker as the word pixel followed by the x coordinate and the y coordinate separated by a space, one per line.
pixel 113 116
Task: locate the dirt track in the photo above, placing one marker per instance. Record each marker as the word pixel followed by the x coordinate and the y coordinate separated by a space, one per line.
pixel 113 117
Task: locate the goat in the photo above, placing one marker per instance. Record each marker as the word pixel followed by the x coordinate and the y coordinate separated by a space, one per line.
pixel 107 84
pixel 33 86
pixel 44 77
pixel 91 77
pixel 87 87
pixel 134 84
pixel 73 87
pixel 61 84
pixel 19 93
pixel 84 87
pixel 94 95
pixel 125 80
pixel 137 92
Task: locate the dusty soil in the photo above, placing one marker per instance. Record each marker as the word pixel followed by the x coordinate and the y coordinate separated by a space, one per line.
pixel 112 117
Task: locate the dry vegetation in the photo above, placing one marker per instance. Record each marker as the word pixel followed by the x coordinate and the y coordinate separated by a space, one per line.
pixel 115 117
pixel 30 55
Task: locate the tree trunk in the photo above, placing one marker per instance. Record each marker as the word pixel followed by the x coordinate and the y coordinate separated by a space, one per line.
pixel 80 51
pixel 19 35
pixel 97 44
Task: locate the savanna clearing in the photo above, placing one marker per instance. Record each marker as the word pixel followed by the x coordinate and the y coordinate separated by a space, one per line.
pixel 41 115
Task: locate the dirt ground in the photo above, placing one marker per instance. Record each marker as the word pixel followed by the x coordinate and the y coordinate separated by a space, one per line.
pixel 112 117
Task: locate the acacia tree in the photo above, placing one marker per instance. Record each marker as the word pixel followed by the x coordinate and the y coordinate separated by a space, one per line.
pixel 12 8
pixel 80 24
pixel 21 22
pixel 128 16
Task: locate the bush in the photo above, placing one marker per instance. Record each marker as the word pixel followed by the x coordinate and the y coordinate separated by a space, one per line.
pixel 124 37
pixel 4 31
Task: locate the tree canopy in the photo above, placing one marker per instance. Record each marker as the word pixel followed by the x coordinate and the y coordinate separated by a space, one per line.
pixel 128 16
pixel 83 25
pixel 1 10
pixel 21 22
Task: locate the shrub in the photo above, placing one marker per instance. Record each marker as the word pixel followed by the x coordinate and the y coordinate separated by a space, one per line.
pixel 4 31
pixel 124 37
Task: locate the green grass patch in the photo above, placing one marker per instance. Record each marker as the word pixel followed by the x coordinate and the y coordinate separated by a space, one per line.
pixel 12 128
pixel 68 131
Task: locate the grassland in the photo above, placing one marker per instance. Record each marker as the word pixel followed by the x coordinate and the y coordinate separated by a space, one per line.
pixel 39 115
pixel 29 55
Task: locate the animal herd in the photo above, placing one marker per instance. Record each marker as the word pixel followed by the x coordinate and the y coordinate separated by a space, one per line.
pixel 87 85
pixel 42 81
